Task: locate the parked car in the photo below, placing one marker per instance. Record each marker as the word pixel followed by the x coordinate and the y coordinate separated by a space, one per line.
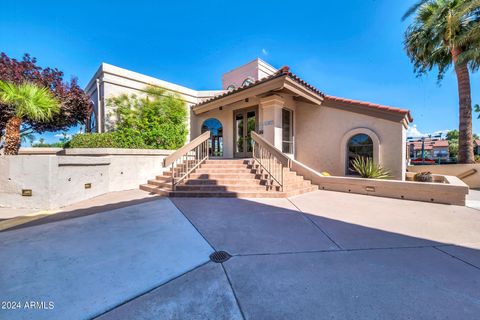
pixel 424 161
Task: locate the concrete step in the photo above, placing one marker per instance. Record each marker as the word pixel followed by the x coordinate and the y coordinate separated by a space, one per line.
pixel 224 193
pixel 228 161
pixel 232 187
pixel 164 178
pixel 227 194
pixel 224 170
pixel 228 178
pixel 296 192
pixel 160 183
pixel 156 189
pixel 223 165
pixel 216 175
pixel 223 181
pixel 297 185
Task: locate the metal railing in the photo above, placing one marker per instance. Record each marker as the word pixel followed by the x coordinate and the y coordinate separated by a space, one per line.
pixel 186 159
pixel 270 160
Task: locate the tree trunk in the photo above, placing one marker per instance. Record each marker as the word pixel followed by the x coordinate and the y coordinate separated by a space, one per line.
pixel 12 136
pixel 465 139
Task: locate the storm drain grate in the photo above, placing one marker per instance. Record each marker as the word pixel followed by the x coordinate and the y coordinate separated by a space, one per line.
pixel 220 256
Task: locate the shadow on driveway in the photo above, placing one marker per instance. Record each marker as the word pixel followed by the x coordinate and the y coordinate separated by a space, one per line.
pixel 289 264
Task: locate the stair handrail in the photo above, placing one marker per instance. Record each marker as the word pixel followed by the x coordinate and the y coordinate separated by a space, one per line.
pixel 186 159
pixel 270 159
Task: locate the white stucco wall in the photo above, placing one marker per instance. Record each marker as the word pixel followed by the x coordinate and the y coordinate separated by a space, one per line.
pixel 59 180
pixel 322 132
pixel 114 81
pixel 255 70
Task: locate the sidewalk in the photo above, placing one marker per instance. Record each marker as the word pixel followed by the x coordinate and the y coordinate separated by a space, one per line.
pixel 14 217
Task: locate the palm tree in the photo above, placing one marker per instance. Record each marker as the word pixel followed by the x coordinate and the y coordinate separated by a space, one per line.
pixel 28 101
pixel 445 33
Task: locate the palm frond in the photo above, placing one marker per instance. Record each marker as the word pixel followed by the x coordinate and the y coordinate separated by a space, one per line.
pixel 29 100
pixel 413 9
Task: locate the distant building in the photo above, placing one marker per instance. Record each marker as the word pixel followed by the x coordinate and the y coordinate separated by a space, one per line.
pixel 434 149
pixel 476 146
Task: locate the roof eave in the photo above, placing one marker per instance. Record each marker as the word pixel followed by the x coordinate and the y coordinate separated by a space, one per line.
pixel 277 83
pixel 395 116
pixel 273 84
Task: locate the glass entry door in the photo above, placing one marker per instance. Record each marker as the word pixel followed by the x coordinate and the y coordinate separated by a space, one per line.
pixel 245 121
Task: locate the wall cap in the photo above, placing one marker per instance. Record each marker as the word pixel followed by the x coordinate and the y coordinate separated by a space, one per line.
pixel 114 151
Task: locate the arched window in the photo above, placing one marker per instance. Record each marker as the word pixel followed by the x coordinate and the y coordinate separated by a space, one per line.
pixel 247 82
pixel 231 87
pixel 216 136
pixel 360 145
pixel 91 121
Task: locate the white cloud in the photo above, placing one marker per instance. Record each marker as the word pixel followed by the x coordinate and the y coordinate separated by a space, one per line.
pixel 264 51
pixel 414 132
pixel 59 135
pixel 442 132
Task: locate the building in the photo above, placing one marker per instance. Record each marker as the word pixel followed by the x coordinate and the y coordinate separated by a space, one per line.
pixel 433 149
pixel 321 131
pixel 476 146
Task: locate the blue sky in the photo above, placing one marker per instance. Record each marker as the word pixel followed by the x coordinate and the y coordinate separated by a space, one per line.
pixel 352 49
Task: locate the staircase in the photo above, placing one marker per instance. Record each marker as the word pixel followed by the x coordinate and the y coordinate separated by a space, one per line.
pixel 237 178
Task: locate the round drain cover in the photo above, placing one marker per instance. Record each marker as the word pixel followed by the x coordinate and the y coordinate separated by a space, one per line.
pixel 220 256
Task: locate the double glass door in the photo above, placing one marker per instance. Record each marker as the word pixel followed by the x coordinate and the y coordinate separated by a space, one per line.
pixel 245 121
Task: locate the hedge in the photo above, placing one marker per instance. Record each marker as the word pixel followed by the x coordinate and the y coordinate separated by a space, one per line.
pixel 107 140
pixel 155 121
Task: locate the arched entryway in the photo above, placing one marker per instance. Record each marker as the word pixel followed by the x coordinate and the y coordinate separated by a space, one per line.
pixel 359 145
pixel 216 139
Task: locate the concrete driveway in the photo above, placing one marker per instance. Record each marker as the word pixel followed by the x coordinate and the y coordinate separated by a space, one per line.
pixel 322 255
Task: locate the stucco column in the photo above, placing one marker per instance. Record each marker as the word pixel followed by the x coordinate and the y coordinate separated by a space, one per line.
pixel 271 119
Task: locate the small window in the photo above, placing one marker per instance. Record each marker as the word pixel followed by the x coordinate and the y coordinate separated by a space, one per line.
pixel 287 131
pixel 231 87
pixel 247 82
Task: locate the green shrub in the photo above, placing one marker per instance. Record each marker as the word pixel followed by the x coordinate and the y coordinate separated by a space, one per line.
pixel 367 168
pixel 106 140
pixel 49 145
pixel 156 121
pixel 159 119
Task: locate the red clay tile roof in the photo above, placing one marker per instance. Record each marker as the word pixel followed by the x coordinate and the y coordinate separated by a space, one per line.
pixel 371 105
pixel 281 72
pixel 429 144
pixel 286 71
pixel 418 145
pixel 440 143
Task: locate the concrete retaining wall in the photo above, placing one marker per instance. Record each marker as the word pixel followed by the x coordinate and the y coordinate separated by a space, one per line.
pixel 452 191
pixel 472 181
pixel 58 178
